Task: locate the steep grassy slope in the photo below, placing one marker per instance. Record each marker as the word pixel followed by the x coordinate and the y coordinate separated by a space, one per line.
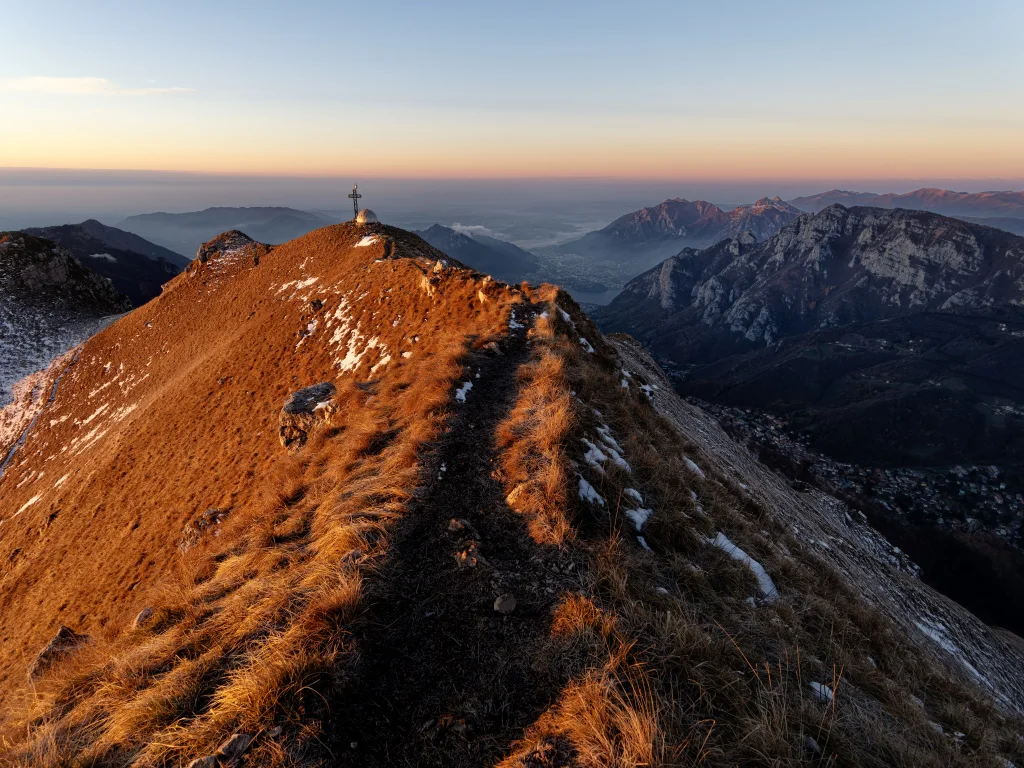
pixel 499 543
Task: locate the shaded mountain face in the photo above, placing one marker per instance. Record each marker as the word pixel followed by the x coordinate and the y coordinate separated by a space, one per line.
pixel 49 302
pixel 889 340
pixel 136 267
pixel 486 254
pixel 650 234
pixel 1004 210
pixel 185 232
pixel 837 267
pixel 345 501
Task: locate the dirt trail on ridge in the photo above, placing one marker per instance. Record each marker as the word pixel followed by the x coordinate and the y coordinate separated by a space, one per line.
pixel 445 679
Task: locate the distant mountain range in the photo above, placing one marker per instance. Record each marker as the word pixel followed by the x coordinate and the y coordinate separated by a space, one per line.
pixel 136 267
pixel 489 255
pixel 48 303
pixel 648 235
pixel 899 334
pixel 1004 210
pixel 185 232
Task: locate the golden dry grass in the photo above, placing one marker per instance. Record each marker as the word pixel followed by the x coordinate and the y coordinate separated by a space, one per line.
pixel 667 662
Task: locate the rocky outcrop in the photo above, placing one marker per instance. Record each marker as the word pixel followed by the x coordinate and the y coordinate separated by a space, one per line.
pixel 136 268
pixel 303 410
pixel 49 303
pixel 227 242
pixel 62 645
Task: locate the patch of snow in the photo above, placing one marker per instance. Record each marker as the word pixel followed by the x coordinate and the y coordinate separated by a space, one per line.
pixel 367 240
pixel 639 516
pixel 565 316
pixel 460 393
pixel 586 345
pixel 643 543
pixel 693 467
pixel 764 581
pixel 407 355
pixel 594 456
pixel 103 257
pixel 28 504
pixel 587 493
pixel 649 389
pixel 938 633
pixel 634 494
pixel 822 692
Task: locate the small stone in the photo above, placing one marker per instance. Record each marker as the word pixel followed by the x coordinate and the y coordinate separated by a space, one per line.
pixel 275 731
pixel 353 745
pixel 210 761
pixel 303 410
pixel 64 643
pixel 143 616
pixel 812 746
pixel 234 747
pixel 505 604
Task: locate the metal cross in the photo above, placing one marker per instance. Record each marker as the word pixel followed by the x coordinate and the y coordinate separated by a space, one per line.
pixel 355 200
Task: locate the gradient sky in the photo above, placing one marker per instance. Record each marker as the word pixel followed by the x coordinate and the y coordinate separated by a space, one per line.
pixel 781 89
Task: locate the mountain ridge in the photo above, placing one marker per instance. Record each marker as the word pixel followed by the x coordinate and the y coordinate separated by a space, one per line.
pixel 1007 207
pixel 345 501
pixel 185 232
pixel 499 258
pixel 136 267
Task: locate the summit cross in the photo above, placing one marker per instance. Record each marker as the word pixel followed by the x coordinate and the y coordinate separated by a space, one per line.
pixel 355 200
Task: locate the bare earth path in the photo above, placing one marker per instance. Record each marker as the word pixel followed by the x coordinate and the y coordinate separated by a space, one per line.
pixel 445 678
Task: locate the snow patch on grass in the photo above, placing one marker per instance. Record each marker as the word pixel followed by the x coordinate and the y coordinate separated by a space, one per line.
pixel 693 467
pixel 587 493
pixel 764 581
pixel 461 392
pixel 639 516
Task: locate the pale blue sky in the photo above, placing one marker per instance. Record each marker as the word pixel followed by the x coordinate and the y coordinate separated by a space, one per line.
pixel 574 88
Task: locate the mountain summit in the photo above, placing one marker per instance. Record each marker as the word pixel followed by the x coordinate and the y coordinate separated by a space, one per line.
pixel 345 501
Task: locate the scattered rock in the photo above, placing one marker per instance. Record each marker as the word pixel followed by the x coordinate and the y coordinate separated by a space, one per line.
pixel 812 746
pixel 143 616
pixel 61 645
pixel 195 529
pixel 274 732
pixel 210 761
pixel 303 410
pixel 233 749
pixel 469 555
pixel 505 604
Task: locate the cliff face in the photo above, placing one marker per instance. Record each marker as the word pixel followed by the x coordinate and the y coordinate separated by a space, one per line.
pixel 136 268
pixel 48 303
pixel 836 267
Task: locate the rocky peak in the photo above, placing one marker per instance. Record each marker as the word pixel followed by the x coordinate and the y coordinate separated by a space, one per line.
pixel 838 266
